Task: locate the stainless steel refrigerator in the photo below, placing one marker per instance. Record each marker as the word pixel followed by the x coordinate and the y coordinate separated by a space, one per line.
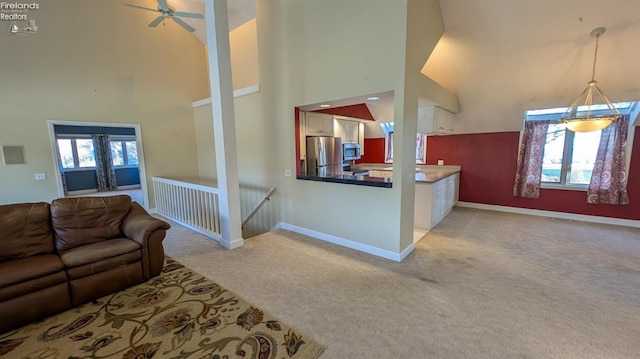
pixel 324 156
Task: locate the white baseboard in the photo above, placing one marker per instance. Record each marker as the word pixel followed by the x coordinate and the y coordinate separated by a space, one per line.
pixel 232 244
pixel 552 214
pixel 379 252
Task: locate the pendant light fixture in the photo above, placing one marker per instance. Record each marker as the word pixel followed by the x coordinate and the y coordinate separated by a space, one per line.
pixel 579 117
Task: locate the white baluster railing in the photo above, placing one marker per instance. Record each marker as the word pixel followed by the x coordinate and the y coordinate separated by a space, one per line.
pixel 192 205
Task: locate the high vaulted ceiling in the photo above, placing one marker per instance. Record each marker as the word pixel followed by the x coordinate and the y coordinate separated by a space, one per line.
pixel 239 12
pixel 502 57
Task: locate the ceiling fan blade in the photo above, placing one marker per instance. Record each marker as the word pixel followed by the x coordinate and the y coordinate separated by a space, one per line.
pixel 183 24
pixel 163 4
pixel 192 15
pixel 141 7
pixel 157 21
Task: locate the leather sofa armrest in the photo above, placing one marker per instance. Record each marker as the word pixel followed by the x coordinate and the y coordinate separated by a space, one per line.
pixel 149 232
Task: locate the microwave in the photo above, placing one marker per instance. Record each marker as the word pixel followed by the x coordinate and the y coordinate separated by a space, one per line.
pixel 350 151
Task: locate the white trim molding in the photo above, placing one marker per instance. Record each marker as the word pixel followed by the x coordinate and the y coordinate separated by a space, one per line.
pixel 379 252
pixel 237 93
pixel 552 214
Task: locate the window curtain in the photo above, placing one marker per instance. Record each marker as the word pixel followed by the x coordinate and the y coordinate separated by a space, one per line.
pixel 609 180
pixel 389 147
pixel 63 179
pixel 105 173
pixel 529 168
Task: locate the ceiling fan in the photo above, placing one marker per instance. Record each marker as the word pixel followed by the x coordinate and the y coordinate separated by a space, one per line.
pixel 169 13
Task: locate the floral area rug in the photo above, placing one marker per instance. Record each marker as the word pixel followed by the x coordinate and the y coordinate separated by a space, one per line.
pixel 179 314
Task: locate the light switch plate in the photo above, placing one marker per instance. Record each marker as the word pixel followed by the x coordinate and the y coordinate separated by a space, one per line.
pixel 287 173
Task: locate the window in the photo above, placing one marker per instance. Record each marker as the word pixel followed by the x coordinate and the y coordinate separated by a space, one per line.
pixel 124 153
pixel 76 153
pixel 421 144
pixel 569 156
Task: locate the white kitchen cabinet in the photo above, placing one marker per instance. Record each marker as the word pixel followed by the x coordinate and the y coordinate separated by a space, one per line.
pixel 347 130
pixel 434 201
pixel 318 124
pixel 434 120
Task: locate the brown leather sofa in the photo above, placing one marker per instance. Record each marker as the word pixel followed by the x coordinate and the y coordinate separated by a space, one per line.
pixel 74 250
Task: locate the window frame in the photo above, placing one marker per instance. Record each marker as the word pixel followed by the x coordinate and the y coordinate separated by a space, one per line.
pixel 74 152
pixel 565 169
pixel 631 108
pixel 123 140
pixel 387 128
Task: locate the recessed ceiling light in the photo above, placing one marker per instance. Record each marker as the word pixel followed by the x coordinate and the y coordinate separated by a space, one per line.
pixel 373 98
pixel 325 106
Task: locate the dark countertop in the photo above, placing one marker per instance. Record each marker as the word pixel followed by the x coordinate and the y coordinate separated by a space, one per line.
pixel 351 179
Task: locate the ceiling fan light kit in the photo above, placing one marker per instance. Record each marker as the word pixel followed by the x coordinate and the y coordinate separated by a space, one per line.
pixel 579 117
pixel 167 12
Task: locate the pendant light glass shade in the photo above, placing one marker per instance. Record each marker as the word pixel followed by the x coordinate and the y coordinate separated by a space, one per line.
pixel 580 116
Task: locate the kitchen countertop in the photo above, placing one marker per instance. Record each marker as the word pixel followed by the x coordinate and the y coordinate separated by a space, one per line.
pixel 424 174
pixel 430 176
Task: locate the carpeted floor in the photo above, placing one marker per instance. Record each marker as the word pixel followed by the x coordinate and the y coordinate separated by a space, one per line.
pixel 481 284
pixel 179 314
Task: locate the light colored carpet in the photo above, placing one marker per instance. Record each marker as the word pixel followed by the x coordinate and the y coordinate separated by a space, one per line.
pixel 178 314
pixel 481 284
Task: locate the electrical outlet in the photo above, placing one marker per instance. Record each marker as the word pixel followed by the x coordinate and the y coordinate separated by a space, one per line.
pixel 41 176
pixel 287 173
pixel 440 162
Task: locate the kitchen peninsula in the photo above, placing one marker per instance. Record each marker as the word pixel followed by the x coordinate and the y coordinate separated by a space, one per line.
pixel 377 175
pixel 436 190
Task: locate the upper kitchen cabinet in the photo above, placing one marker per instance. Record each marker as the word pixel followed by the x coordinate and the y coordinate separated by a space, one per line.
pixel 347 130
pixel 350 132
pixel 318 124
pixel 434 120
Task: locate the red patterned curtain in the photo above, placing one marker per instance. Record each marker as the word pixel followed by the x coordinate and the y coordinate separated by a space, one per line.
pixel 529 170
pixel 609 179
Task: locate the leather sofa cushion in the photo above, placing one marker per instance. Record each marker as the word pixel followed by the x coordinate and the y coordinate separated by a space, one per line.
pixel 97 251
pixel 33 285
pixel 85 220
pixel 25 230
pixel 104 265
pixel 24 269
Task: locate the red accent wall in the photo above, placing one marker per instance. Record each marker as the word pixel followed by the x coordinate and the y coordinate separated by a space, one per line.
pixel 488 162
pixel 297 139
pixel 373 151
pixel 360 111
